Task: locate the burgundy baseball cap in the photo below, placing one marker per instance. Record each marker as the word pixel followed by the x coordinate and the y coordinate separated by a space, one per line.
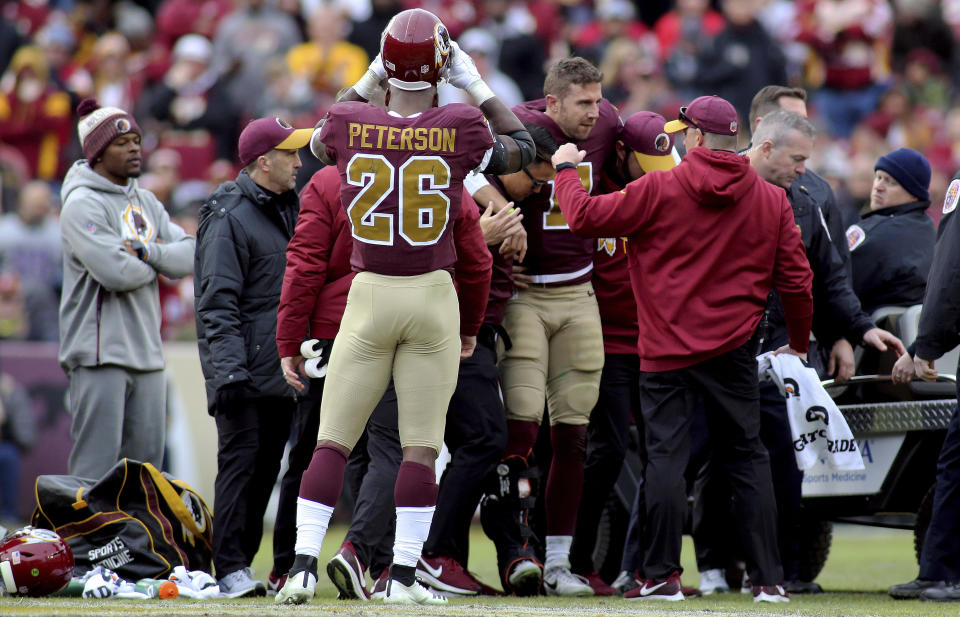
pixel 710 114
pixel 644 134
pixel 266 134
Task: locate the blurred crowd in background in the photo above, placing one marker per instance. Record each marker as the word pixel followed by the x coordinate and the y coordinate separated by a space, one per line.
pixel 880 74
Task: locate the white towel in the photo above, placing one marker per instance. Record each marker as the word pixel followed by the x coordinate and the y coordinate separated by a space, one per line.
pixel 819 429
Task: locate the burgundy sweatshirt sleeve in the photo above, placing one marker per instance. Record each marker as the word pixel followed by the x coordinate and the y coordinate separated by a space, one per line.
pixel 473 269
pixel 793 279
pixel 612 215
pixel 308 255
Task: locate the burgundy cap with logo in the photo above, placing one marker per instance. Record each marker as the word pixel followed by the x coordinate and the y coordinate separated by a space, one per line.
pixel 710 114
pixel 643 133
pixel 266 134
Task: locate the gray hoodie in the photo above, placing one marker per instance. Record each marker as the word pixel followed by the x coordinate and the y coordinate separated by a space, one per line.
pixel 110 305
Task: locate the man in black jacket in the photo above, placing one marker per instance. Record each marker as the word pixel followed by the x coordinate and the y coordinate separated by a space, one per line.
pixel 241 255
pixel 891 247
pixel 939 332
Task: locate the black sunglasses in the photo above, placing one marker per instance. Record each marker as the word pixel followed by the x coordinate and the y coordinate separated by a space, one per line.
pixel 536 183
pixel 686 119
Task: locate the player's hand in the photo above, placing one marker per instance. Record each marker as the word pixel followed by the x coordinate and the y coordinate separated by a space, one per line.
pixel 497 227
pixel 467 345
pixel 878 338
pixel 461 70
pixel 376 67
pixel 841 364
pixel 902 371
pixel 924 369
pixel 568 153
pixel 515 246
pixel 292 365
pixel 793 352
pixel 520 279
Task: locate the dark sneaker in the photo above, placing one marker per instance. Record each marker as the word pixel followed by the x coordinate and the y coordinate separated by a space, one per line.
pixel 348 574
pixel 524 577
pixel 599 586
pixel 947 593
pixel 626 581
pixel 802 587
pixel 770 593
pixel 913 589
pixel 240 584
pixel 275 583
pixel 447 575
pixel 666 589
pixel 379 589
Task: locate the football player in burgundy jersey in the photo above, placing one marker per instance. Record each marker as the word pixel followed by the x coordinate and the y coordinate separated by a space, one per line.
pixel 557 351
pixel 402 173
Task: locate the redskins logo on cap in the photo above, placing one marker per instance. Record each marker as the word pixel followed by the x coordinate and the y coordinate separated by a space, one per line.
pixel 123 125
pixel 283 123
pixel 662 142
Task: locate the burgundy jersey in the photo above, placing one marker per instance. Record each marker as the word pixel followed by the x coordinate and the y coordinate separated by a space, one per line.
pixel 611 282
pixel 401 181
pixel 554 255
pixel 501 283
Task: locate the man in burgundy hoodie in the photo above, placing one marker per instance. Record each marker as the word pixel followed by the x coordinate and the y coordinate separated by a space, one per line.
pixel 707 241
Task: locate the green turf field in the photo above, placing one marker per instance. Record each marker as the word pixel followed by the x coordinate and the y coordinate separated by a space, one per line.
pixel 863 563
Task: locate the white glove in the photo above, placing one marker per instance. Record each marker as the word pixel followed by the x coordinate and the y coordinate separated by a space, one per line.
pixel 461 70
pixel 370 81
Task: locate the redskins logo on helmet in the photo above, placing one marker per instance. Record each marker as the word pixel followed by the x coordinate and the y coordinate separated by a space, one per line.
pixel 34 562
pixel 414 48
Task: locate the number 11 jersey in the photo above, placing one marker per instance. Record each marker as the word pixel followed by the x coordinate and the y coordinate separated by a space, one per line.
pixel 402 181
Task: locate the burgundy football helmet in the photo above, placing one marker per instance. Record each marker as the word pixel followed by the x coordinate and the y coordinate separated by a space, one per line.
pixel 414 49
pixel 34 562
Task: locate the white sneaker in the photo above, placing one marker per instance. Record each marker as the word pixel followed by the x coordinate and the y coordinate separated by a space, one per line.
pixel 398 593
pixel 746 586
pixel 298 589
pixel 561 581
pixel 713 581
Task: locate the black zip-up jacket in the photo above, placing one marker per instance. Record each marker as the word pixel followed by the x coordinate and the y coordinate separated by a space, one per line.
pixel 822 195
pixel 939 330
pixel 891 250
pixel 241 255
pixel 836 309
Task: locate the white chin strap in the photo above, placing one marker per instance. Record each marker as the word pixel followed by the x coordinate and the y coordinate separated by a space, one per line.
pixel 6 572
pixel 410 86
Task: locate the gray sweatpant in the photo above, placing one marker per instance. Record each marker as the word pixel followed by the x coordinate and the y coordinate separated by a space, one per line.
pixel 117 414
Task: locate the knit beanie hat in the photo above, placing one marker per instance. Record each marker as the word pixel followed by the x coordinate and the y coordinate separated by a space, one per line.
pixel 99 126
pixel 910 169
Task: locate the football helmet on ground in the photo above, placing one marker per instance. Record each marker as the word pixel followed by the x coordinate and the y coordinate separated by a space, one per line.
pixel 34 562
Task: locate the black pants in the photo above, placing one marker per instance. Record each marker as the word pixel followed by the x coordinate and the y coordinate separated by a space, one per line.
pixel 608 435
pixel 476 436
pixel 728 385
pixel 940 559
pixel 303 440
pixel 250 442
pixel 374 514
pixel 713 516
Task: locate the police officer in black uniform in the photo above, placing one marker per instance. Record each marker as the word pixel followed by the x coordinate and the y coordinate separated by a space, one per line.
pixel 836 359
pixel 939 332
pixel 782 142
pixel 891 247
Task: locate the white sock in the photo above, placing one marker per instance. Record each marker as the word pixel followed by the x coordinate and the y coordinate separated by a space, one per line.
pixel 558 552
pixel 413 527
pixel 313 518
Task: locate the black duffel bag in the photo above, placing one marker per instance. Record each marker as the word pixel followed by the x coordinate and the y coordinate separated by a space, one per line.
pixel 135 520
